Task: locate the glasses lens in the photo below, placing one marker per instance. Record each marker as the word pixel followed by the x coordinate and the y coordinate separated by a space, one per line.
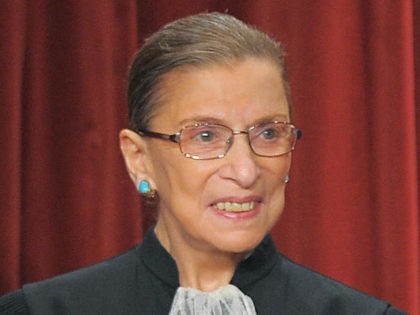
pixel 205 141
pixel 272 139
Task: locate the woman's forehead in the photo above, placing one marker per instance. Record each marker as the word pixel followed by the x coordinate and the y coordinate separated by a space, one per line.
pixel 250 89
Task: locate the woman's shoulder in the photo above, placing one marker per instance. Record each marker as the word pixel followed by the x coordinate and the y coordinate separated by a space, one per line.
pixel 305 284
pixel 300 277
pixel 108 279
pixel 102 272
pixel 14 304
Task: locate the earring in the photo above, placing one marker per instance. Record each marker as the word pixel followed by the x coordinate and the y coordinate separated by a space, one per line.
pixel 145 190
pixel 286 179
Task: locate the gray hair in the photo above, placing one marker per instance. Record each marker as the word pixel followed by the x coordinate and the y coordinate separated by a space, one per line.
pixel 202 39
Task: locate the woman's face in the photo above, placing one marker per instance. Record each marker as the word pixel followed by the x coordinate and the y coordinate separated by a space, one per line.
pixel 191 191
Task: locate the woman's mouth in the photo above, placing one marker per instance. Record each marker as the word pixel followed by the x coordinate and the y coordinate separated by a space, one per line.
pixel 235 206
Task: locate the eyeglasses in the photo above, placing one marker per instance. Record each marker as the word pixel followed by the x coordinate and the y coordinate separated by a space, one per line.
pixel 206 141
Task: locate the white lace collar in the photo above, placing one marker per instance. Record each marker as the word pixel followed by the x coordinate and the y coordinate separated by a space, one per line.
pixel 227 300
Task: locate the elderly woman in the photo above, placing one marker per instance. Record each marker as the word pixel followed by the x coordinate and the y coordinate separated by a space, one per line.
pixel 209 145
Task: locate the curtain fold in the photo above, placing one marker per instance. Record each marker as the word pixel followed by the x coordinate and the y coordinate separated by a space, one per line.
pixel 12 52
pixel 352 208
pixel 62 106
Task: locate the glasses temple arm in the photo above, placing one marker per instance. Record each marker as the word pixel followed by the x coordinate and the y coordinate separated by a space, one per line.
pixel 152 134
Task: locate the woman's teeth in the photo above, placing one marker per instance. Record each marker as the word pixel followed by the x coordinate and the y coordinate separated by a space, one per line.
pixel 235 206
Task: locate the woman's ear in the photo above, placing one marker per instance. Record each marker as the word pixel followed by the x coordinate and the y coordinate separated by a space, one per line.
pixel 134 151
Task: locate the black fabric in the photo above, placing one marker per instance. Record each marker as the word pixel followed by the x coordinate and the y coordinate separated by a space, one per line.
pixel 144 281
pixel 13 304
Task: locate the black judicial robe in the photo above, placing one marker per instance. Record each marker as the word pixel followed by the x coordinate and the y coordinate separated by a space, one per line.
pixel 144 281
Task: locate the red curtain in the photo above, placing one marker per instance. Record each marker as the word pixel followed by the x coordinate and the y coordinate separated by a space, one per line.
pixel 353 202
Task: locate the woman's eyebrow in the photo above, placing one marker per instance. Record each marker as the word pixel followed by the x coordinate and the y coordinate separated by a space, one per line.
pixel 215 120
pixel 201 118
pixel 268 118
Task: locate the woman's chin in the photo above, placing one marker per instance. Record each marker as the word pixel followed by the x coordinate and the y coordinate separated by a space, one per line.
pixel 239 242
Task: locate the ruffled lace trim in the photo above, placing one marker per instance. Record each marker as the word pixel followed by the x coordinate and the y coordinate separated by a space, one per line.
pixel 227 300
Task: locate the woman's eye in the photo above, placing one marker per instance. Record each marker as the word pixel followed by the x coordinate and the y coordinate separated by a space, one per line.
pixel 269 134
pixel 205 136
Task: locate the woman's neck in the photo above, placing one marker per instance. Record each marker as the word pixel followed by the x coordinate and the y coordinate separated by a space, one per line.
pixel 199 266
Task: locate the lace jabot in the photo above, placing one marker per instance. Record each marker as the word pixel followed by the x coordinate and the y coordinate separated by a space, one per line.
pixel 227 300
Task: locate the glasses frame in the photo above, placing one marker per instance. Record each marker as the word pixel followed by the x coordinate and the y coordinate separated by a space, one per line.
pixel 176 138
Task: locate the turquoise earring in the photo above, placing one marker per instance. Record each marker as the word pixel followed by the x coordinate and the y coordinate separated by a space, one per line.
pixel 145 190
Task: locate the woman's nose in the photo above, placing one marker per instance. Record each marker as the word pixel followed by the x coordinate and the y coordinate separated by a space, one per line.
pixel 240 163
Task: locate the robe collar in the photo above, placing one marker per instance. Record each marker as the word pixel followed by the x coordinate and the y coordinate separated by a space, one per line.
pixel 163 266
